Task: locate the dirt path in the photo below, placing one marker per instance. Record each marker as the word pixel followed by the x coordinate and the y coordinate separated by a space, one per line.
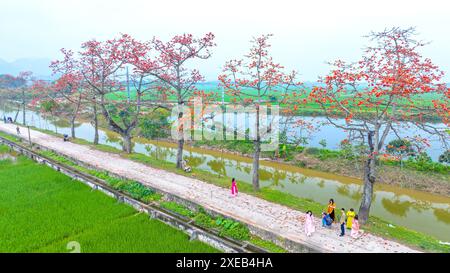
pixel 284 221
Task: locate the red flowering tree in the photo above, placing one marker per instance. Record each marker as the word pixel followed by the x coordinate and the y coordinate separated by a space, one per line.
pixel 257 80
pixel 69 86
pixel 381 95
pixel 172 72
pixel 102 67
pixel 44 98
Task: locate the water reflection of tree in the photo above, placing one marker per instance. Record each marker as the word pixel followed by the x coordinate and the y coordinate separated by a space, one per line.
pixel 238 166
pixel 160 153
pixel 442 215
pixel 345 190
pixel 278 176
pixel 396 207
pixel 193 160
pixel 265 175
pixel 296 179
pixel 321 184
pixel 60 122
pixel 217 166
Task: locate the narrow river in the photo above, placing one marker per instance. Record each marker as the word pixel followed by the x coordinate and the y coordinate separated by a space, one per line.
pixel 416 210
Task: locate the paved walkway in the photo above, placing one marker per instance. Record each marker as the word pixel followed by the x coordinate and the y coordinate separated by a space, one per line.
pixel 282 220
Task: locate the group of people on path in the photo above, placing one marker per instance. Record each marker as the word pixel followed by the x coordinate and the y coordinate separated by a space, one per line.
pixel 347 220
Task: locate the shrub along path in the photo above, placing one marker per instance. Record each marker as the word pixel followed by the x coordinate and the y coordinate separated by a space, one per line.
pixel 285 222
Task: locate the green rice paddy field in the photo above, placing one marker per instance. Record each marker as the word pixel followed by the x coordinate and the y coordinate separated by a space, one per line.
pixel 42 210
pixel 422 100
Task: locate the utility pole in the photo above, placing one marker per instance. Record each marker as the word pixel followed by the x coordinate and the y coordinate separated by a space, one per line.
pixel 128 85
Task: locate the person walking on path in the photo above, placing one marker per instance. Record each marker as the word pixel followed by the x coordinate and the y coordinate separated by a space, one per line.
pixel 18 130
pixel 234 189
pixel 309 224
pixel 355 228
pixel 4 119
pixel 350 215
pixel 330 209
pixel 342 222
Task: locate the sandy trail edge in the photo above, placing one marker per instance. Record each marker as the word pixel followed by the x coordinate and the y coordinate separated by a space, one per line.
pixel 285 222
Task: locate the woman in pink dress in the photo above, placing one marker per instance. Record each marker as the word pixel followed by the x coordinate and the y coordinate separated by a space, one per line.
pixel 355 228
pixel 309 224
pixel 234 189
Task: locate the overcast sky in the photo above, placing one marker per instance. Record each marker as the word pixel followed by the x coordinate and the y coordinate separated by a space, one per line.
pixel 306 33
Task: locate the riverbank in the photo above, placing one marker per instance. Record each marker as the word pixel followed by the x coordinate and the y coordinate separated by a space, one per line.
pixel 389 172
pixel 375 225
pixel 428 179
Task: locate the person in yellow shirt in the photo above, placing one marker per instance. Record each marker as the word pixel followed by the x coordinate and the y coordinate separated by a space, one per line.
pixel 330 209
pixel 350 215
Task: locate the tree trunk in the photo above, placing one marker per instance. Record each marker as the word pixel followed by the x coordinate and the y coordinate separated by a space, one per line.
pixel 180 136
pixel 366 201
pixel 74 116
pixel 257 146
pixel 72 126
pixel 255 177
pixel 95 123
pixel 180 152
pixel 17 113
pixel 369 180
pixel 127 145
pixel 23 107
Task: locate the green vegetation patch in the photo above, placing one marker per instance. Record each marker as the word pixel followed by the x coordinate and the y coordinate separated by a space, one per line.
pixel 42 210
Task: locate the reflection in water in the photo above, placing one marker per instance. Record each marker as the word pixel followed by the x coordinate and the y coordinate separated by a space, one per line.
pixel 344 190
pixel 296 178
pixel 350 192
pixel 396 206
pixel 60 123
pixel 194 161
pixel 159 153
pixel 218 166
pixel 442 215
pixel 356 195
pixel 264 175
pixel 419 211
pixel 321 183
pixel 278 178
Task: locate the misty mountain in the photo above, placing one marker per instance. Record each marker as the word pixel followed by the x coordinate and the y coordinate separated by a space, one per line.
pixel 39 67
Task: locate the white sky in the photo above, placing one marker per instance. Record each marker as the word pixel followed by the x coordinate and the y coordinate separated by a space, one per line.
pixel 307 33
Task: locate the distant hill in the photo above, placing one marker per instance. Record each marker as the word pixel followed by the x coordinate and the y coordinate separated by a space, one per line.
pixel 39 67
